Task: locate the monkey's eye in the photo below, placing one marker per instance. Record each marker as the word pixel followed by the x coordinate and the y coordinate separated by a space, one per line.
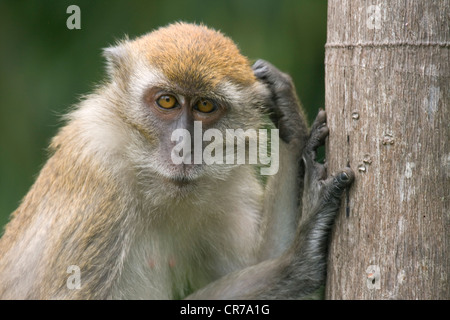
pixel 166 102
pixel 205 106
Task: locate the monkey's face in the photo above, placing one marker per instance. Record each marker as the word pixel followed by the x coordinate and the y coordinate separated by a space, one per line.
pixel 183 88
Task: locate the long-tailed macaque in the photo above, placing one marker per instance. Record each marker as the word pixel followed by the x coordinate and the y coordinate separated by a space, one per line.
pixel 112 207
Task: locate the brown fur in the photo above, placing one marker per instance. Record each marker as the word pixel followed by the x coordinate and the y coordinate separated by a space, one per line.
pixel 195 56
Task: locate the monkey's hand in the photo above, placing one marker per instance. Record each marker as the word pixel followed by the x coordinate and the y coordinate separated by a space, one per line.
pixel 321 194
pixel 284 107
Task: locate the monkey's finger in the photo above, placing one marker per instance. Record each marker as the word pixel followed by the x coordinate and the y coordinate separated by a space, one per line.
pixel 335 185
pixel 316 140
pixel 260 69
pixel 271 75
pixel 321 118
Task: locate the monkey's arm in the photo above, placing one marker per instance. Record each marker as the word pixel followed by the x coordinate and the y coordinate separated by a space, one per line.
pixel 282 198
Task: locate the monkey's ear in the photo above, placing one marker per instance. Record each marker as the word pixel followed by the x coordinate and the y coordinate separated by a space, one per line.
pixel 115 58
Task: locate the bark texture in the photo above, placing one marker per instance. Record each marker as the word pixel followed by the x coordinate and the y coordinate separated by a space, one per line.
pixel 387 102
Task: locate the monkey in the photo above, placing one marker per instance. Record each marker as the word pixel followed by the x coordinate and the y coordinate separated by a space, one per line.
pixel 111 202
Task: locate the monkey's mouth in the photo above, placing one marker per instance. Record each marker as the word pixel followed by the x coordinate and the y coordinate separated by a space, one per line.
pixel 179 181
pixel 183 175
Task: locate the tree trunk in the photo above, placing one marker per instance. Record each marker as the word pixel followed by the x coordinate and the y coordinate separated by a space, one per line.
pixel 387 102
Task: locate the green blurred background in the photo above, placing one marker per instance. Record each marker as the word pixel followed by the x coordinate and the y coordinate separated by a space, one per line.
pixel 45 67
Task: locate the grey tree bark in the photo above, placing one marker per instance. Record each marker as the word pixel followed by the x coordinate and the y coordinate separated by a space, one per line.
pixel 387 101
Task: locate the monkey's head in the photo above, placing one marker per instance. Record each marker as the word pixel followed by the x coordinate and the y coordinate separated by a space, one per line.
pixel 182 76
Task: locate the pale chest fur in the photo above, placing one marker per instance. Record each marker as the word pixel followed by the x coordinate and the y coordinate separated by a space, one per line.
pixel 188 247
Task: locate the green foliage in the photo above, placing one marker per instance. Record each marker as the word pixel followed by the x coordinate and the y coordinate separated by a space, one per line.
pixel 45 67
